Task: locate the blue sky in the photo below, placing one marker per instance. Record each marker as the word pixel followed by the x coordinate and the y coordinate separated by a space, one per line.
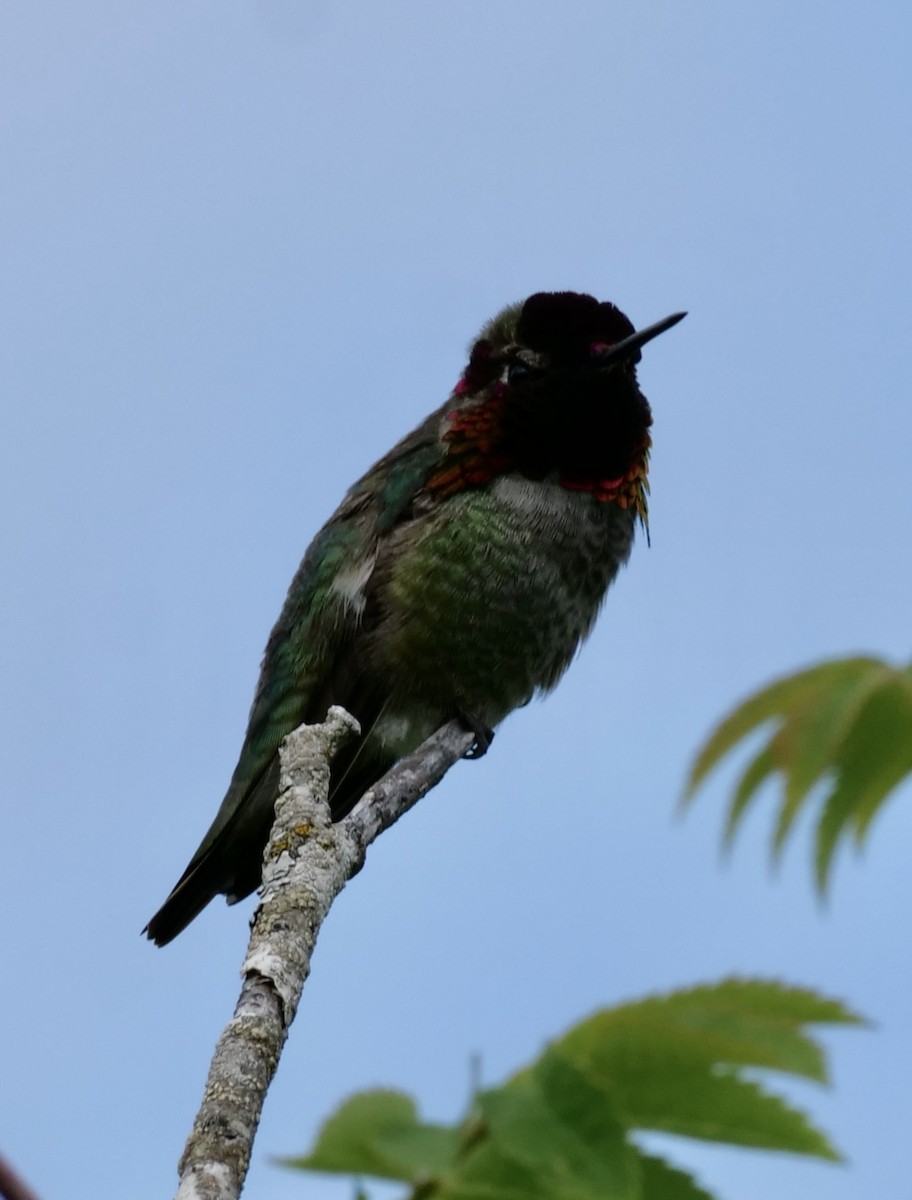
pixel 245 246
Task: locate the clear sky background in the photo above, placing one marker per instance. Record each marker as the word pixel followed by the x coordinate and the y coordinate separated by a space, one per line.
pixel 244 247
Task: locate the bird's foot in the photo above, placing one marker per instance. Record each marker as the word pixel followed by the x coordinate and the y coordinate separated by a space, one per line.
pixel 484 736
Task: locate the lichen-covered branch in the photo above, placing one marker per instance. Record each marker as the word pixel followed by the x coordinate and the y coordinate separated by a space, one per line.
pixel 307 863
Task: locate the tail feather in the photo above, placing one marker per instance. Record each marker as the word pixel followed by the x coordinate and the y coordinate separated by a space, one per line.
pixel 196 888
pixel 229 860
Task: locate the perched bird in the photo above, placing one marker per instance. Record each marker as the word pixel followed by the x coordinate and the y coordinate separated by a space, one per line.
pixel 457 577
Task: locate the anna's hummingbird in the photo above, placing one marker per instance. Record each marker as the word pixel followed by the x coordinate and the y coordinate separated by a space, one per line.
pixel 457 577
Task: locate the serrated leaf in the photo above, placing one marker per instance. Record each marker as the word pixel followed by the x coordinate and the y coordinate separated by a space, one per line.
pixel 738 1022
pixel 582 1106
pixel 560 1129
pixel 816 733
pixel 660 1181
pixel 781 696
pixel 722 1108
pixel 489 1174
pixel 885 728
pixel 764 998
pixel 671 1062
pixel 378 1133
pixel 845 725
pixel 875 756
pixel 758 770
pixel 561 1126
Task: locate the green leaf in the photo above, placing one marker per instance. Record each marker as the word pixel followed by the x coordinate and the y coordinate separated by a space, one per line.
pixel 561 1128
pixel 845 726
pixel 378 1133
pixel 717 1107
pixel 556 1121
pixel 816 733
pixel 553 1127
pixel 489 1174
pixel 670 1063
pixel 758 771
pixel 659 1181
pixel 779 697
pixel 743 1022
pixel 875 756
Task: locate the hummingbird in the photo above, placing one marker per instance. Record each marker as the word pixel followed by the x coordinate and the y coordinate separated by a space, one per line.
pixel 458 576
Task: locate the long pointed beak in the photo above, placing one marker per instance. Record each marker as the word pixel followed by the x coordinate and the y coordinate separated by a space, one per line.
pixel 630 345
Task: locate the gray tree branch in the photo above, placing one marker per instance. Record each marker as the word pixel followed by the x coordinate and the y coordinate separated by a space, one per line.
pixel 307 863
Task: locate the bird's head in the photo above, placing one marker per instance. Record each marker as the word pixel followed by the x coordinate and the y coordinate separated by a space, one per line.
pixel 550 391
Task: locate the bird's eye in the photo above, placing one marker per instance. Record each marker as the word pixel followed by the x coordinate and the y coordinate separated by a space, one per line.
pixel 517 371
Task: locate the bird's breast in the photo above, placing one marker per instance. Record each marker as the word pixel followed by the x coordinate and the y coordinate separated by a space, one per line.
pixel 486 599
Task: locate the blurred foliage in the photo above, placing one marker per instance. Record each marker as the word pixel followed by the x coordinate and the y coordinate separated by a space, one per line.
pixel 842 729
pixel 686 1063
pixel 561 1128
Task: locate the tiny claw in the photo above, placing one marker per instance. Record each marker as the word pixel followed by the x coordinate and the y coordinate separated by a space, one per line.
pixel 484 736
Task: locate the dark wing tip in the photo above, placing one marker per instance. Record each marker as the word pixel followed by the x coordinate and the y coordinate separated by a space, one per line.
pixel 184 904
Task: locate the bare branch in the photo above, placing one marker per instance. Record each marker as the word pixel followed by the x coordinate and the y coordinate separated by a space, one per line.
pixel 307 863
